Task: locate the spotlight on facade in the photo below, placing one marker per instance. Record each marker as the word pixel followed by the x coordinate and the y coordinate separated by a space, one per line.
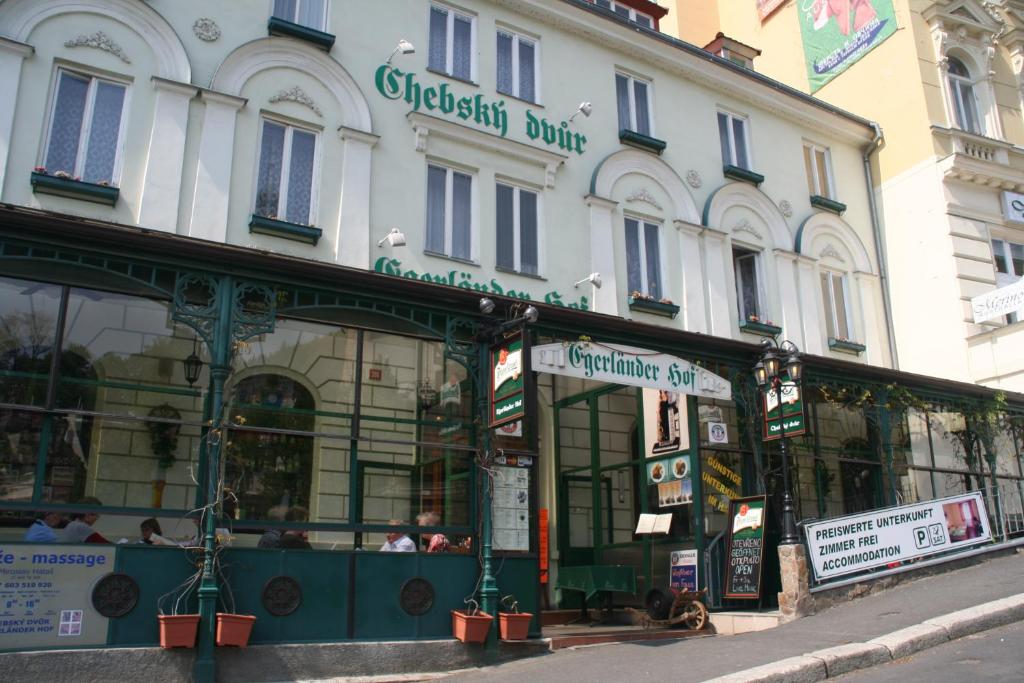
pixel 395 238
pixel 585 108
pixel 593 278
pixel 404 46
pixel 530 315
pixel 486 306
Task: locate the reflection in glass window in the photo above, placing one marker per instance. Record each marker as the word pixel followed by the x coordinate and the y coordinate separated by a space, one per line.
pixel 28 327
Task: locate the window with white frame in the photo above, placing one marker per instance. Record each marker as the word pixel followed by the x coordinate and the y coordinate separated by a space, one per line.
pixel 818 164
pixel 961 91
pixel 449 212
pixel 311 13
pixel 517 223
pixel 1009 260
pixel 86 128
pixel 746 267
pixel 634 103
pixel 517 66
pixel 643 258
pixel 627 12
pixel 732 132
pixel 837 311
pixel 285 184
pixel 452 40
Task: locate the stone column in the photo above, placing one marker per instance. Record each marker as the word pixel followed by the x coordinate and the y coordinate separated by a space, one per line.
pixel 602 255
pixel 12 54
pixel 795 600
pixel 161 187
pixel 717 263
pixel 213 178
pixel 789 299
pixel 811 306
pixel 352 239
pixel 695 317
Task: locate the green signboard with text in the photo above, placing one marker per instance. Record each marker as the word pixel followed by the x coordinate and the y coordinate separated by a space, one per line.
pixel 508 377
pixel 783 410
pixel 837 33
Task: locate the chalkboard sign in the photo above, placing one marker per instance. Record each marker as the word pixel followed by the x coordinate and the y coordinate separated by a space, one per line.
pixel 746 547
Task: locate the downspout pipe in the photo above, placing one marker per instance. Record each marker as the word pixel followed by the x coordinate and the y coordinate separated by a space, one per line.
pixel 880 250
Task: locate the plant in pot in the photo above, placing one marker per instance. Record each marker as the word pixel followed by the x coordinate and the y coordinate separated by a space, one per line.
pixel 513 624
pixel 178 629
pixel 471 625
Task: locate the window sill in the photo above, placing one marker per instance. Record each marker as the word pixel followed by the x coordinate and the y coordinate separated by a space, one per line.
pixel 760 328
pixel 279 27
pixel 454 78
pixel 520 99
pixel 828 204
pixel 846 346
pixel 641 141
pixel 737 173
pixel 513 271
pixel 446 257
pixel 74 189
pixel 653 307
pixel 262 225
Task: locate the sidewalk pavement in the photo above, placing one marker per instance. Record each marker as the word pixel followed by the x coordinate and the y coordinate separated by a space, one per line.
pixel 864 632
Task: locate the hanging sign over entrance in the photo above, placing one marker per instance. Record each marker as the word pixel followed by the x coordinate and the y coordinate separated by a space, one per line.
pixel 618 364
pixel 508 403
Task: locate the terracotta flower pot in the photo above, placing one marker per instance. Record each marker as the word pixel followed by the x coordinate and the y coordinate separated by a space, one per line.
pixel 178 630
pixel 234 629
pixel 514 625
pixel 471 628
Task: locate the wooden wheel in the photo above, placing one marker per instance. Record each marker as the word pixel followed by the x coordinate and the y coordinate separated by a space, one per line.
pixel 694 615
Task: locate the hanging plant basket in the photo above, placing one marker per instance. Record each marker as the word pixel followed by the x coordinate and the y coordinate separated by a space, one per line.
pixel 514 625
pixel 471 627
pixel 178 630
pixel 234 629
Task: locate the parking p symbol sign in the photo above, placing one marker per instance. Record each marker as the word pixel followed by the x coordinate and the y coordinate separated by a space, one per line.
pixel 921 537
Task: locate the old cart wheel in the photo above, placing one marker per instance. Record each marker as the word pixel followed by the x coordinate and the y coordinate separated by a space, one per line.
pixel 695 615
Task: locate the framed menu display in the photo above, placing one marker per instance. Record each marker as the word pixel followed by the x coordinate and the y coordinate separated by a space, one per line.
pixel 745 556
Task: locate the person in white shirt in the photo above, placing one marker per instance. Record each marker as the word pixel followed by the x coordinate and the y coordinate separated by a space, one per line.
pixel 398 542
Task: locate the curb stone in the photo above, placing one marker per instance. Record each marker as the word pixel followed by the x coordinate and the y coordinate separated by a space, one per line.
pixel 842 659
pixel 803 669
pixel 981 617
pixel 907 641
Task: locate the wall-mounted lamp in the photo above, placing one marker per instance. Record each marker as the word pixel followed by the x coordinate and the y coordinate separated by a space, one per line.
pixel 395 238
pixel 486 305
pixel 193 364
pixel 593 278
pixel 585 108
pixel 427 395
pixel 404 46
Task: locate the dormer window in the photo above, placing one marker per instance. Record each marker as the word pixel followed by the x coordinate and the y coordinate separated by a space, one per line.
pixel 628 12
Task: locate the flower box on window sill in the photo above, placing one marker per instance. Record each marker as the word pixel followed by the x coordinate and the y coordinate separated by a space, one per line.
pixel 75 189
pixel 666 310
pixel 846 346
pixel 828 204
pixel 645 142
pixel 289 231
pixel 762 328
pixel 279 27
pixel 737 173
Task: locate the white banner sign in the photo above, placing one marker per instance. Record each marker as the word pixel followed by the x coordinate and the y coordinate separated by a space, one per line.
pixel 1013 207
pixel 998 302
pixel 845 545
pixel 629 365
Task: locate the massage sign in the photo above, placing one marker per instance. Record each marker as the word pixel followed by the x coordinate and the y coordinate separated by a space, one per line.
pixel 508 371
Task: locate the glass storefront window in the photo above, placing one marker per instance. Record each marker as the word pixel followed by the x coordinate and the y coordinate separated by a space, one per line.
pixel 29 313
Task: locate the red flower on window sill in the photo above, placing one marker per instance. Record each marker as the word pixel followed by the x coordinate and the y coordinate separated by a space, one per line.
pixel 755 319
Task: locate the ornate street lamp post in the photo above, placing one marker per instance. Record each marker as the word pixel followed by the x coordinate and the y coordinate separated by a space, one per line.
pixel 767 374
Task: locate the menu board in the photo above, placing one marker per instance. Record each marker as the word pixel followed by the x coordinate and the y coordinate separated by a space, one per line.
pixel 511 508
pixel 745 556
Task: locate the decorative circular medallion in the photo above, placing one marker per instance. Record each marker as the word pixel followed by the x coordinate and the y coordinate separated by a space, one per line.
pixel 416 596
pixel 206 29
pixel 786 208
pixel 115 595
pixel 282 595
pixel 694 179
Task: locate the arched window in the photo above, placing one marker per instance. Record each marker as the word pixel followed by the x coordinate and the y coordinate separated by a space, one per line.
pixel 961 92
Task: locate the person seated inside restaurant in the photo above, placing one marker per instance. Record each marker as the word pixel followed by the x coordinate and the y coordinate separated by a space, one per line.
pixel 42 530
pixel 286 538
pixel 398 541
pixel 436 543
pixel 79 529
pixel 152 534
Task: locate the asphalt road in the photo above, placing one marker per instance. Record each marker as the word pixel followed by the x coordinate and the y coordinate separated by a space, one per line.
pixel 988 656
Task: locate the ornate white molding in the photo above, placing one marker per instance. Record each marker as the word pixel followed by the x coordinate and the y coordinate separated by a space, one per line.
pixel 206 29
pixel 745 226
pixel 830 252
pixel 786 208
pixel 693 179
pixel 99 41
pixel 297 95
pixel 642 195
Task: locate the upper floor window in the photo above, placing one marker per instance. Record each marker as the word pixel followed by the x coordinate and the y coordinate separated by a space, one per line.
pixel 285 187
pixel 746 266
pixel 643 258
pixel 961 92
pixel 1009 259
pixel 86 128
pixel 311 13
pixel 634 104
pixel 834 295
pixel 819 170
pixel 627 12
pixel 517 66
pixel 449 212
pixel 516 225
pixel 732 132
pixel 452 40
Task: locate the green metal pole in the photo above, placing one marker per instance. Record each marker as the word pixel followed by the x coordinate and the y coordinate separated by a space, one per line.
pixel 488 585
